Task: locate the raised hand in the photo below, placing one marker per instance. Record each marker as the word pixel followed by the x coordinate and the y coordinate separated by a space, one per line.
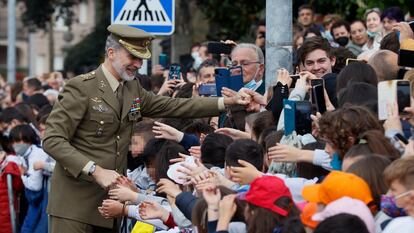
pixel 195 151
pixel 168 187
pixel 235 134
pixel 153 210
pixel 123 194
pixel 212 196
pixel 165 131
pixel 284 153
pixel 111 209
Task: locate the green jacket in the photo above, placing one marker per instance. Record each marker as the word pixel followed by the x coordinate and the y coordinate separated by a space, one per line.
pixel 86 125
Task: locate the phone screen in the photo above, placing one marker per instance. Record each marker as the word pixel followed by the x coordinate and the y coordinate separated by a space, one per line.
pixel 319 98
pixel 174 73
pixel 403 95
pixel 302 117
pixel 207 89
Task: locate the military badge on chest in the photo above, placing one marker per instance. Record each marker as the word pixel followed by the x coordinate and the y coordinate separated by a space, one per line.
pixel 98 105
pixel 135 112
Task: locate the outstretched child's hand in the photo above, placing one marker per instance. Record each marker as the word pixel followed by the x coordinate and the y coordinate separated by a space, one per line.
pixel 111 209
pixel 153 210
pixel 126 182
pixel 122 194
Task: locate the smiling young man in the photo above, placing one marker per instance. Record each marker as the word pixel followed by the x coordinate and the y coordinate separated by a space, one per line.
pixel 90 127
pixel 316 57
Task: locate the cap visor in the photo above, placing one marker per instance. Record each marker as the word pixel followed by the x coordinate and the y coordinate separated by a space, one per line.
pixel 145 55
pixel 311 193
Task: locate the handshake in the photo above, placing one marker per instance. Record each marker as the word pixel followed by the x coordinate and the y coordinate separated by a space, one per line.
pixel 252 100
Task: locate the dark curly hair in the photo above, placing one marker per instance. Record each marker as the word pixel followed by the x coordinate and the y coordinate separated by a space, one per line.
pixel 349 121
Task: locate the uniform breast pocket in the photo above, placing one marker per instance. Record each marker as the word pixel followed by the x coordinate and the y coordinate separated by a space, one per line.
pixel 103 123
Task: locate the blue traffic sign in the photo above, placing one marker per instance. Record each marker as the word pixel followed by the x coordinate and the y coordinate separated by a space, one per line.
pixel 153 16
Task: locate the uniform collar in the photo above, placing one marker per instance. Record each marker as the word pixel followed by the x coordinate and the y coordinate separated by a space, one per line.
pixel 113 82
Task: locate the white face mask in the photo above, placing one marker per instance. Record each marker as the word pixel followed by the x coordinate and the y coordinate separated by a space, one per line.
pixel 20 148
pixel 197 60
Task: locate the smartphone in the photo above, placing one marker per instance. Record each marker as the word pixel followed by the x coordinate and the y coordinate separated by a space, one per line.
pixel 401 138
pixel 393 91
pixel 174 73
pixel 219 48
pixel 318 98
pixel 403 96
pixel 162 59
pixel 294 78
pixel 303 121
pixel 315 82
pixel 224 78
pixel 207 89
pixel 289 114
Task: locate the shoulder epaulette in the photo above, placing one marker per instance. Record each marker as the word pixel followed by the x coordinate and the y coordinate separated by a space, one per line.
pixel 88 76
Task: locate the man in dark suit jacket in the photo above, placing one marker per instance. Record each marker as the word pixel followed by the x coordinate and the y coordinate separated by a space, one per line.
pixel 90 127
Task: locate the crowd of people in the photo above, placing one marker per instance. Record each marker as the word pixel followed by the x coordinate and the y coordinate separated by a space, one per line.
pixel 177 161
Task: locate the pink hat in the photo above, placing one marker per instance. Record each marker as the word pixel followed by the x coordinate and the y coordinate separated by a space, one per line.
pixel 350 206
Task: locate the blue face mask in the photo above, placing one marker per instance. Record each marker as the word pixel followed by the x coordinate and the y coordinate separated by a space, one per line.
pixel 371 34
pixel 390 208
pixel 250 85
pixel 336 162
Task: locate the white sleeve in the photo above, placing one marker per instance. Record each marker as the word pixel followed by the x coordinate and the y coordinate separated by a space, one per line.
pixel 321 158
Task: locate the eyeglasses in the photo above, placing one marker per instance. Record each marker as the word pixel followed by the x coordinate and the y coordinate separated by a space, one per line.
pixel 244 63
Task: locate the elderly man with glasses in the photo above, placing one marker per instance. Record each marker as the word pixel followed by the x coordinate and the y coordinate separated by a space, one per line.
pixel 250 58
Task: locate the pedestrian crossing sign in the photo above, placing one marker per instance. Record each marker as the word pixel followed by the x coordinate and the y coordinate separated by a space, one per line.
pixel 153 16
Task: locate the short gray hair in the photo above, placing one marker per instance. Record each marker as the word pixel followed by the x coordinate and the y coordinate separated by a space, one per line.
pixel 111 43
pixel 255 48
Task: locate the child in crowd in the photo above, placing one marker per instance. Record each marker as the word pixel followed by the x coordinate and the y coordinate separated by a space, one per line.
pixel 25 143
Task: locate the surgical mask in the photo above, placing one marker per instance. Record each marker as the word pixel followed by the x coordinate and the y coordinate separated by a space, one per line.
pixel 342 41
pixel 252 84
pixel 390 208
pixel 371 34
pixel 328 35
pixel 20 148
pixel 197 60
pixel 336 162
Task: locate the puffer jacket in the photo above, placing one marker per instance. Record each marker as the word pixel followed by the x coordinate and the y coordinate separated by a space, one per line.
pixel 8 167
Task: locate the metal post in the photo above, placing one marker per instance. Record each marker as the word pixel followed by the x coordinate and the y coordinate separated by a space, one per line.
pixel 11 203
pixel 11 41
pixel 278 38
pixel 32 54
